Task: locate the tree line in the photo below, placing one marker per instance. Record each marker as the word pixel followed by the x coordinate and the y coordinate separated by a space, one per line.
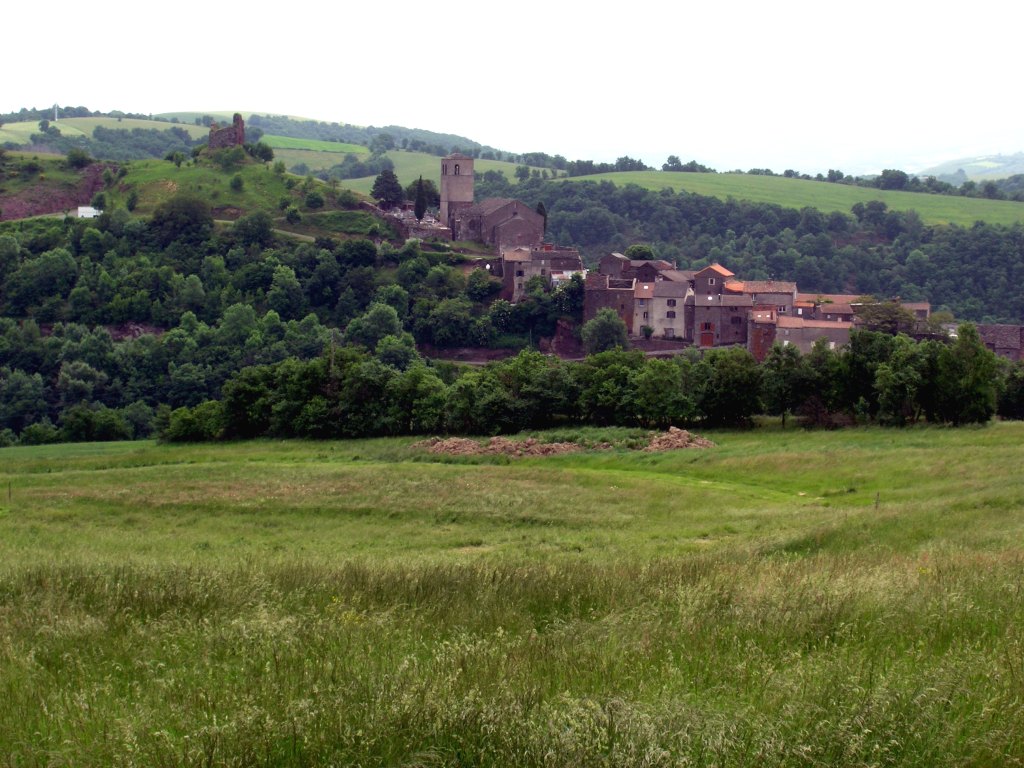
pixel 361 391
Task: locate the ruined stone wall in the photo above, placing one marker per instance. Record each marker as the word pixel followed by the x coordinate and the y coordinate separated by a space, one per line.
pixel 229 136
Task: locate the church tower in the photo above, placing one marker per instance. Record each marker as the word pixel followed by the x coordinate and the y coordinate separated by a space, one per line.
pixel 456 185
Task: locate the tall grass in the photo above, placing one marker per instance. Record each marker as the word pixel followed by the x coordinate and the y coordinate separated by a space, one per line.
pixel 357 605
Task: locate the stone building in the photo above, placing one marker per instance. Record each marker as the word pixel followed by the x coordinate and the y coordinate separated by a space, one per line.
pixel 1007 341
pixel 552 263
pixel 720 317
pixel 605 292
pixel 456 185
pixel 229 136
pixel 767 327
pixel 500 222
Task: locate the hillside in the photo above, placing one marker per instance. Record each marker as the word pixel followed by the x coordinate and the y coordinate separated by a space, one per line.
pixel 316 147
pixel 801 193
pixel 72 127
pixel 52 188
pixel 980 168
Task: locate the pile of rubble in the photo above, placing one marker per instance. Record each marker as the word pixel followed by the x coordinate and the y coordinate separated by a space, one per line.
pixel 674 439
pixel 461 446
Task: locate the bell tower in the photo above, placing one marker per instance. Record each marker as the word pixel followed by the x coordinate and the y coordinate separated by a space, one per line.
pixel 456 185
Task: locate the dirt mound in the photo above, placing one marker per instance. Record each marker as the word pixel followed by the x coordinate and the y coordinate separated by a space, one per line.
pixel 674 439
pixel 462 446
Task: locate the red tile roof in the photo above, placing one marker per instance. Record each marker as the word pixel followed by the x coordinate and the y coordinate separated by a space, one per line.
pixel 718 269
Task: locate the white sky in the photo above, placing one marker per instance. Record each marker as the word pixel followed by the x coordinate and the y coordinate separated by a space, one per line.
pixel 856 86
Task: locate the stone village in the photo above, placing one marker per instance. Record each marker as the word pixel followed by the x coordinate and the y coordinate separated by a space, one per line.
pixel 709 307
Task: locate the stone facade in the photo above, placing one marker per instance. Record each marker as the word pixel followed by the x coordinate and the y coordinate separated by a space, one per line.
pixel 668 310
pixel 229 136
pixel 500 222
pixel 456 185
pixel 549 262
pixel 604 292
pixel 1007 341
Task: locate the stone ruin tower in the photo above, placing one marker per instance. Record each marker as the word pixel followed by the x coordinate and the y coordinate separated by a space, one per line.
pixel 229 136
pixel 456 185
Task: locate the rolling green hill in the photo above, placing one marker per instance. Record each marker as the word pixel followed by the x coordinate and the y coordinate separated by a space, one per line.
pixel 319 155
pixel 800 193
pixel 20 133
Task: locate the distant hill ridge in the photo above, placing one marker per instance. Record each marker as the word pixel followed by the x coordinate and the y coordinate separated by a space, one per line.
pixel 979 168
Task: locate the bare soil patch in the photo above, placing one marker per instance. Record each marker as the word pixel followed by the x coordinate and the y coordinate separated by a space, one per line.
pixel 672 440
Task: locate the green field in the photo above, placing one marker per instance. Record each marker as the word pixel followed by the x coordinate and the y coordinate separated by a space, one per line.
pixel 21 133
pixel 314 145
pixel 785 598
pixel 800 193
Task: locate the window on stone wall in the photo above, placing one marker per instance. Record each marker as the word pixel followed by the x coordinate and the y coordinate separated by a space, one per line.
pixel 736 320
pixel 670 314
pixel 711 280
pixel 782 308
pixel 671 302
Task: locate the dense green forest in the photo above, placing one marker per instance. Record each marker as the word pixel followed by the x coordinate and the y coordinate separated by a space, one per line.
pixel 227 298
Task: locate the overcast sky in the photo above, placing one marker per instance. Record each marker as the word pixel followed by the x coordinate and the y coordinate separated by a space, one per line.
pixel 857 86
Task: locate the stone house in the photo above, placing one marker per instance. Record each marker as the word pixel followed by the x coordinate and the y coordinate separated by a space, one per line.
pixel 645 270
pixel 773 293
pixel 606 292
pixel 767 327
pixel 838 307
pixel 552 263
pixel 1007 341
pixel 668 309
pixel 720 317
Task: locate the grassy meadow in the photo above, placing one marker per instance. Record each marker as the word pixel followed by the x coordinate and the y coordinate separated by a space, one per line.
pixel 785 598
pixel 313 145
pixel 800 193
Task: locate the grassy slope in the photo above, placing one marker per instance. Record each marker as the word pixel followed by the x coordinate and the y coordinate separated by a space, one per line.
pixel 314 145
pixel 84 126
pixel 799 193
pixel 792 598
pixel 262 190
